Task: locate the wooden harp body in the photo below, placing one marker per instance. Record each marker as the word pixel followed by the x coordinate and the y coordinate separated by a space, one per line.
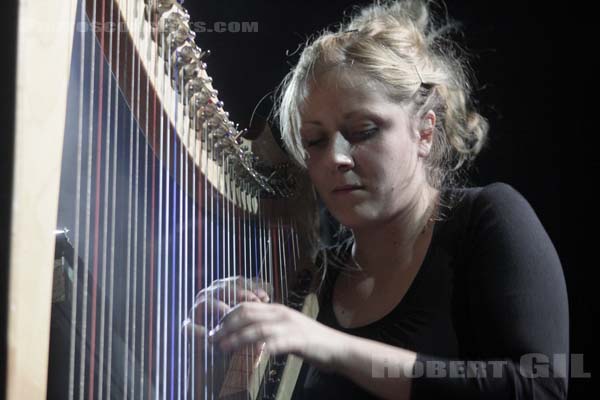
pixel 133 192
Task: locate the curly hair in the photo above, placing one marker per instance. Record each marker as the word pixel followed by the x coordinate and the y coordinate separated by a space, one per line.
pixel 404 48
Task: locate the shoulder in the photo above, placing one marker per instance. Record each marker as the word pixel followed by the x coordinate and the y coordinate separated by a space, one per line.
pixel 502 222
pixel 501 205
pixel 469 207
pixel 493 200
pixel 495 193
pixel 500 194
pixel 496 219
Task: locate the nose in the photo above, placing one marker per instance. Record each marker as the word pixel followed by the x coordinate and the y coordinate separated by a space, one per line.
pixel 340 154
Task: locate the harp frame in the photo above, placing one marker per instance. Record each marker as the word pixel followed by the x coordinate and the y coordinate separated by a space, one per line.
pixel 45 32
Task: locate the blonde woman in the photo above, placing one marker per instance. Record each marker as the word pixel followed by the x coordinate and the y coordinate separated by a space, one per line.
pixel 440 290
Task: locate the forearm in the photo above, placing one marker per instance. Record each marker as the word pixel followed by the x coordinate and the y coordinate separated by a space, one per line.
pixel 382 369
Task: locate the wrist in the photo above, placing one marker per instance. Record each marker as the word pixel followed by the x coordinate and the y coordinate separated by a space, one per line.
pixel 342 352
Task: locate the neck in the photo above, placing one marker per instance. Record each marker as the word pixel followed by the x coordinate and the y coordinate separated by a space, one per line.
pixel 391 246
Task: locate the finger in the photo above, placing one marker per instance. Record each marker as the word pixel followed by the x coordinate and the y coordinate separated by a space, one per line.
pixel 263 289
pixel 245 314
pixel 255 285
pixel 227 284
pixel 197 335
pixel 209 311
pixel 193 330
pixel 262 295
pixel 262 333
pixel 230 289
pixel 246 295
pixel 236 295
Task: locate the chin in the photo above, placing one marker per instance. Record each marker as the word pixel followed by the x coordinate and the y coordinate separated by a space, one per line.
pixel 354 219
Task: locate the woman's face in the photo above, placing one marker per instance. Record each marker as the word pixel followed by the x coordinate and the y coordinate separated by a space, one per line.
pixel 355 136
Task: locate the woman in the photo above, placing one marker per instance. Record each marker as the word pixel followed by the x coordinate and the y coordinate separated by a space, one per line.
pixel 439 291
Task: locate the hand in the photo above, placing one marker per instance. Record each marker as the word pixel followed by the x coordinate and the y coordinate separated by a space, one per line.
pixel 282 330
pixel 216 300
pixel 210 305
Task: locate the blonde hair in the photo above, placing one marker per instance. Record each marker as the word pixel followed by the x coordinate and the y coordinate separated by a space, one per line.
pixel 401 46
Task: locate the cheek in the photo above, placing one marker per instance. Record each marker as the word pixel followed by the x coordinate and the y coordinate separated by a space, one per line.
pixel 317 177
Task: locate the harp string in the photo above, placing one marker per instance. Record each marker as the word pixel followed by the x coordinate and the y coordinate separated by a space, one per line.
pixel 144 224
pixel 87 213
pixel 266 249
pixel 177 301
pixel 189 366
pixel 105 215
pixel 144 138
pixel 154 261
pixel 274 249
pixel 169 338
pixel 130 200
pixel 98 178
pixel 71 387
pixel 160 249
pixel 283 256
pixel 166 172
pixel 281 260
pixel 138 136
pixel 196 255
pixel 212 267
pixel 224 264
pixel 182 251
pixel 209 268
pixel 201 261
pixel 187 278
pixel 219 254
pixel 136 224
pixel 113 203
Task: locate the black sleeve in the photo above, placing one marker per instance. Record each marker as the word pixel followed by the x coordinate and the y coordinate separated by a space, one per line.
pixel 516 307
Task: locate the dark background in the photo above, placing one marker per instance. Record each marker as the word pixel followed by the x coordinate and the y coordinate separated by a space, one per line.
pixel 535 75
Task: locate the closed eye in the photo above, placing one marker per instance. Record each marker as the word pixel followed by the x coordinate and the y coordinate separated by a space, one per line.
pixel 311 143
pixel 366 134
pixel 355 137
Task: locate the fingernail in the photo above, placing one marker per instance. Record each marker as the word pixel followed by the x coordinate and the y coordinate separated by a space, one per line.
pixel 214 330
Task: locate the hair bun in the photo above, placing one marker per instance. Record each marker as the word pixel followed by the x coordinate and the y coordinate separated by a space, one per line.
pixel 384 15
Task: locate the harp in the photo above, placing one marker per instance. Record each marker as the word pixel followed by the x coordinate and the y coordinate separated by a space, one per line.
pixel 132 192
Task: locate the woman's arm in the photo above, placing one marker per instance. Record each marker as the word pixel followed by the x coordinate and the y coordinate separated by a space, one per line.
pixel 381 369
pixel 516 319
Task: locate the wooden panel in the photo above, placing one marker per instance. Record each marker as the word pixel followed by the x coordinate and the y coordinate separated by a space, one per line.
pixel 43 55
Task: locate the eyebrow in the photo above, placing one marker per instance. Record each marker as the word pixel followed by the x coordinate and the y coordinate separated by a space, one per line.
pixel 312 122
pixel 350 114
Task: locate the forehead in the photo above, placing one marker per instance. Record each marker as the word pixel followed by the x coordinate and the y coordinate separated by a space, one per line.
pixel 343 81
pixel 341 92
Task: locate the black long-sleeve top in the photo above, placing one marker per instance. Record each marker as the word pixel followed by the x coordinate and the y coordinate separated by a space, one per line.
pixel 491 289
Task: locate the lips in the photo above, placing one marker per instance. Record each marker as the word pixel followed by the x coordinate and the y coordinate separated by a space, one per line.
pixel 345 188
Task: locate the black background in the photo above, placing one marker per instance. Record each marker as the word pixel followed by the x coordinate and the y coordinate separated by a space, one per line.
pixel 533 65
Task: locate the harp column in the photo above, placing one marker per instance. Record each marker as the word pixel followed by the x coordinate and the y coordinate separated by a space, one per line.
pixel 45 36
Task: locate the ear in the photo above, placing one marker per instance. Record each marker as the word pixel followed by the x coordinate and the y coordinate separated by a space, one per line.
pixel 426 132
